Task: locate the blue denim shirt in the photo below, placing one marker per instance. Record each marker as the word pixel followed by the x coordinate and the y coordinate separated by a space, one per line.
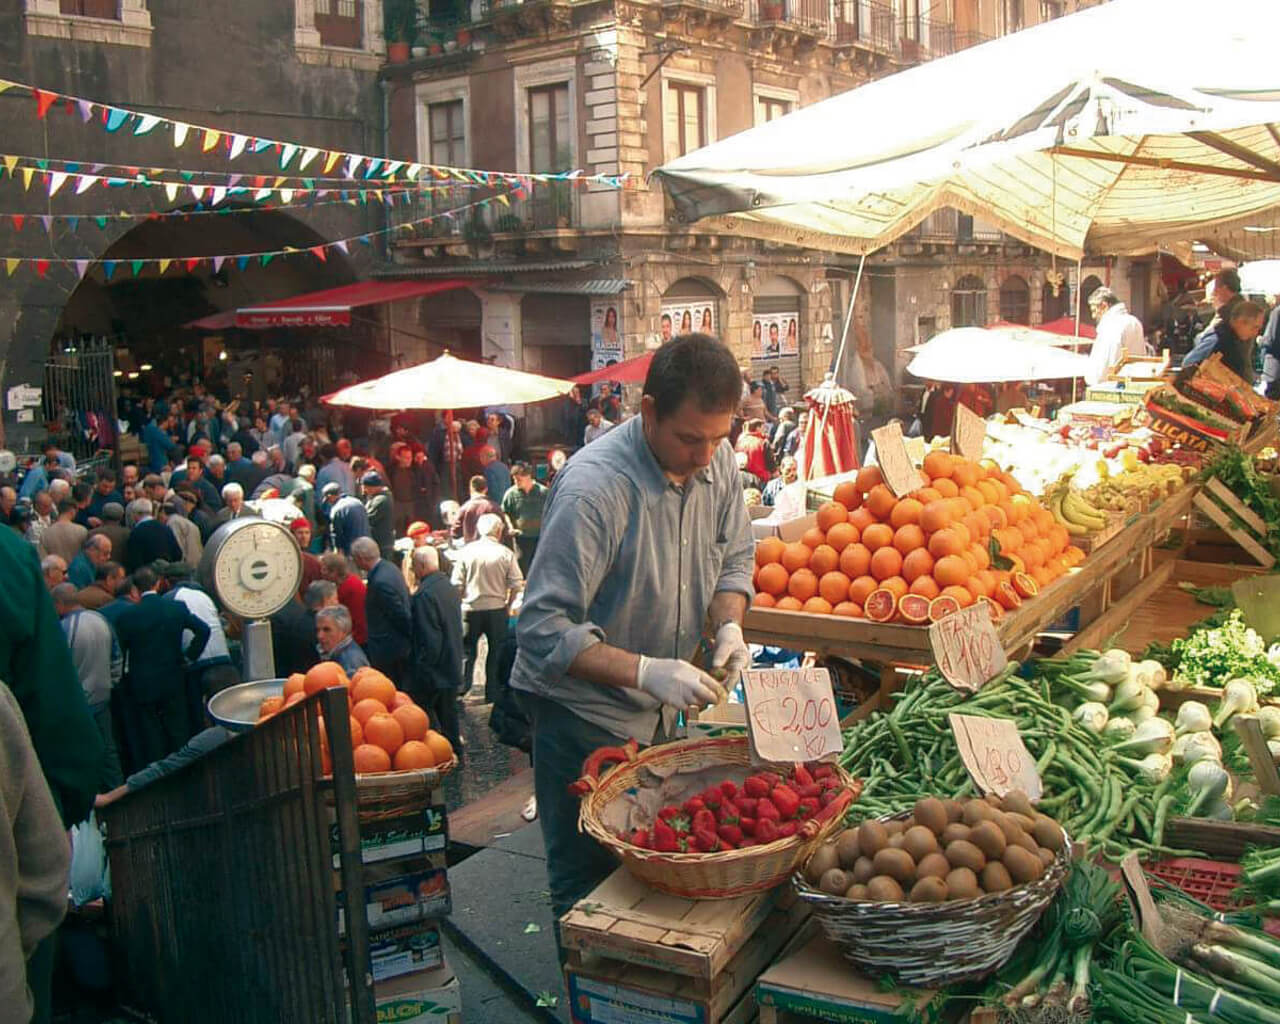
pixel 627 557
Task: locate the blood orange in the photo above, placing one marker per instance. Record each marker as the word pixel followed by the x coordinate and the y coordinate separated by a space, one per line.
pixel 942 606
pixel 914 609
pixel 1025 585
pixel 881 605
pixel 994 609
pixel 1007 596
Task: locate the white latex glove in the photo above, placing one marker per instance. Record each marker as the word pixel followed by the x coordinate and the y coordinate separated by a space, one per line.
pixel 731 653
pixel 677 683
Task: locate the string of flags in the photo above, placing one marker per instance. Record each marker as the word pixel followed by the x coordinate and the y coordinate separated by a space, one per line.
pixel 190 264
pixel 211 140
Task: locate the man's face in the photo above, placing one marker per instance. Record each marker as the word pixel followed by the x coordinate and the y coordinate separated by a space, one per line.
pixel 491 422
pixel 235 501
pixel 789 472
pixel 593 417
pixel 327 634
pixel 666 328
pixel 233 452
pixel 1246 328
pixel 42 502
pixel 131 476
pixel 524 482
pixel 687 439
pixel 344 449
pixel 404 458
pixel 303 536
pixel 100 553
pixel 195 470
pixel 155 492
pixel 55 574
pixel 115 580
pixel 106 486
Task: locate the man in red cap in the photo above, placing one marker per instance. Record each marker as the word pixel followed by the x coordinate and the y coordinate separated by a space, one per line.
pixel 301 530
pixel 419 533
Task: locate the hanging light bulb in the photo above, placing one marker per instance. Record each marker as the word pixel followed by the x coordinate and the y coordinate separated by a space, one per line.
pixel 145 367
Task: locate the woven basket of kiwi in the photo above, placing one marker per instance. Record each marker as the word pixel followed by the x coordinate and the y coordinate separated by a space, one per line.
pixel 940 895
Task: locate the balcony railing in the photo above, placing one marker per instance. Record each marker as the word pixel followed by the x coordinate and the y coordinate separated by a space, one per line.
pixel 552 205
pixel 949 226
pixel 727 8
pixel 867 24
pixel 812 16
pixel 438 213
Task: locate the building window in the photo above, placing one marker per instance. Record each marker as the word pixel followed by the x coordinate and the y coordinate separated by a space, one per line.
pixel 686 127
pixel 1015 300
pixel 911 20
pixel 91 8
pixel 550 140
pixel 338 22
pixel 772 108
pixel 447 133
pixel 969 302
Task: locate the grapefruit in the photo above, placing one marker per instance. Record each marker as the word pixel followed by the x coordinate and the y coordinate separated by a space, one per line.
pixel 1025 585
pixel 942 606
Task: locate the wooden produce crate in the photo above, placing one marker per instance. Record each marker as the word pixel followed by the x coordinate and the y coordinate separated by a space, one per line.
pixel 631 950
pixel 1226 840
pixel 815 982
pixel 1236 520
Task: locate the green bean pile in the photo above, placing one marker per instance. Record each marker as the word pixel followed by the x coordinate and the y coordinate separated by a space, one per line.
pixel 910 752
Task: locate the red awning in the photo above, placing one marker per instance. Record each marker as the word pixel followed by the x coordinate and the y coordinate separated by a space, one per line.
pixel 629 371
pixel 329 308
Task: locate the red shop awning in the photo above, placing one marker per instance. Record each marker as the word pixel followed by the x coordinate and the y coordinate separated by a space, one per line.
pixel 329 308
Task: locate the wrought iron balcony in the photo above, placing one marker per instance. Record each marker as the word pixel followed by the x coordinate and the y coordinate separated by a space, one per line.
pixel 867 25
pixel 812 17
pixel 553 205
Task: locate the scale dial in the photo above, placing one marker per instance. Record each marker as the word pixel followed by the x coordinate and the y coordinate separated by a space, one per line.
pixel 254 566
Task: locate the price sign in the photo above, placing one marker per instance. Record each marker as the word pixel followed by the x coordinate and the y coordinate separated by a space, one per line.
pixel 995 756
pixel 966 648
pixel 899 474
pixel 968 432
pixel 791 714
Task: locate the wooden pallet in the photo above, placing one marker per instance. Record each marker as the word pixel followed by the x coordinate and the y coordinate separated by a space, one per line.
pixel 1222 507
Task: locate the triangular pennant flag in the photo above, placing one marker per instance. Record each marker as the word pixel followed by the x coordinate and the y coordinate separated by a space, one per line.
pixel 287 154
pixel 365 240
pixel 211 137
pixel 18 220
pixel 341 245
pixel 100 221
pixel 374 164
pixel 413 171
pixel 180 133
pixel 109 269
pixel 86 112
pixel 377 194
pixel 308 154
pixel 82 266
pixel 44 100
pixel 186 175
pixel 146 123
pixel 171 190
pixel 219 194
pixel 242 262
pixel 10 265
pixel 504 200
pixel 309 182
pixel 5 85
pixel 73 222
pixel 84 183
pixel 286 195
pixel 267 257
pixel 164 265
pixel 56 180
pixel 191 264
pixel 353 164
pixel 197 191
pixel 10 162
pixel 234 180
pixel 115 118
pixel 330 159
pixel 260 144
pixel 217 263
pixel 27 172
pixel 42 267
pixel 390 170
pixel 135 265
pixel 237 145
pixel 320 254
pixel 261 194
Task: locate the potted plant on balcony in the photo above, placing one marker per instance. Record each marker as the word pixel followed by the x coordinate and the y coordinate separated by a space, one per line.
pixel 399 25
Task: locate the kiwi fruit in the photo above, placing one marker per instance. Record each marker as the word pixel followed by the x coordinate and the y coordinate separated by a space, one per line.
pixel 935 865
pixel 929 890
pixel 962 884
pixel 955 810
pixel 1046 856
pixel 1017 802
pixel 884 889
pixel 992 799
pixel 931 813
pixel 995 877
pixel 988 838
pixel 1008 826
pixel 896 826
pixel 872 837
pixel 956 830
pixel 896 864
pixel 963 854
pixel 1027 842
pixel 976 811
pixel 857 891
pixel 896 840
pixel 1023 866
pixel 1047 833
pixel 823 860
pixel 863 870
pixel 835 882
pixel 1021 820
pixel 847 848
pixel 919 841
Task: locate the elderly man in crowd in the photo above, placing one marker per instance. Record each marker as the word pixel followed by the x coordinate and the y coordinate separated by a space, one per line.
pixel 348 518
pixel 99 664
pixel 351 591
pixel 149 538
pixel 184 530
pixel 104 491
pixel 84 567
pixel 597 426
pixel 435 678
pixel 107 579
pixel 54 569
pixel 42 516
pixel 233 506
pixel 334 640
pixel 1119 334
pixel 487 576
pixel 386 610
pixel 216 474
pixel 113 528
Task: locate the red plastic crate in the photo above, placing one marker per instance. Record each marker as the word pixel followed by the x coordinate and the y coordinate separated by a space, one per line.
pixel 1210 881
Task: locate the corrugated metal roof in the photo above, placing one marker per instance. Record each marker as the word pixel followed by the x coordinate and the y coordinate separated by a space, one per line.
pixel 612 286
pixel 482 268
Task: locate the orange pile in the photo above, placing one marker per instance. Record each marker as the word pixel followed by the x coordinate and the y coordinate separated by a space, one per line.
pixel 388 730
pixel 917 558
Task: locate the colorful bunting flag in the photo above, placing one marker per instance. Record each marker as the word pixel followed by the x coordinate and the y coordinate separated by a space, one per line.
pixel 44 100
pixel 115 118
pixel 146 124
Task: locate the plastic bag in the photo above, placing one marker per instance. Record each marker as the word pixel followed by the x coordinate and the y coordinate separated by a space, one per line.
pixel 90 873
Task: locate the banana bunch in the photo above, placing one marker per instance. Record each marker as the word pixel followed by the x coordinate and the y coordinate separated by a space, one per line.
pixel 1074 511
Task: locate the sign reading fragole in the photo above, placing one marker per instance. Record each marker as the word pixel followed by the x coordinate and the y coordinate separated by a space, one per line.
pixel 899 474
pixel 995 756
pixel 791 714
pixel 968 431
pixel 966 648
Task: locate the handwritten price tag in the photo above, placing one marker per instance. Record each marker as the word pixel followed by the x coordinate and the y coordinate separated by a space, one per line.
pixel 997 759
pixel 791 714
pixel 967 649
pixel 968 432
pixel 899 474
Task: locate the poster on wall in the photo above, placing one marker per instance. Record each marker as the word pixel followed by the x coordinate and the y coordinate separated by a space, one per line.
pixel 775 334
pixel 606 333
pixel 685 316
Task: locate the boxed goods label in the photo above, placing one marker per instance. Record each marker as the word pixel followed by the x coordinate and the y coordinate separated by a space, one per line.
pixel 405 950
pixel 402 900
pixel 599 1002
pixel 423 997
pixel 424 831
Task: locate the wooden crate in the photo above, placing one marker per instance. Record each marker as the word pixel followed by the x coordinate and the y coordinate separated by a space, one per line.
pixel 1236 520
pixel 1226 840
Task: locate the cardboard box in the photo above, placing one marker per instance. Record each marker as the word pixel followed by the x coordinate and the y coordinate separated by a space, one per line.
pixel 424 831
pixel 788 529
pixel 425 997
pixel 403 899
pixel 817 982
pixel 405 950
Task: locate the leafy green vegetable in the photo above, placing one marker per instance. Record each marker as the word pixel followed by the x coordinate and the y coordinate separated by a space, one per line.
pixel 1237 471
pixel 1215 597
pixel 1209 657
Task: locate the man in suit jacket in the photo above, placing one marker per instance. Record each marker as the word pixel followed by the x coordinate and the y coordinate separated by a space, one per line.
pixel 380 512
pixel 386 609
pixel 149 539
pixel 436 670
pixel 154 683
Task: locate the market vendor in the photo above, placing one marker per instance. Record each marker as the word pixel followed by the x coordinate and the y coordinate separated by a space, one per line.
pixel 645 545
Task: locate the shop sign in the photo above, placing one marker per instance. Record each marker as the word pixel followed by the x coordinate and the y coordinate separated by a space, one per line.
pixel 22 395
pixel 968 432
pixel 995 756
pixel 294 318
pixel 791 714
pixel 775 334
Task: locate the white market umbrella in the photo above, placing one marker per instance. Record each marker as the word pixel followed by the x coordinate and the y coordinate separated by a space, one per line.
pixel 1260 276
pixel 449 383
pixel 1107 130
pixel 975 355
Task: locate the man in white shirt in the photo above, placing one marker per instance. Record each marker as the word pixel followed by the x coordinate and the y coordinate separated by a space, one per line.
pixel 487 575
pixel 1120 334
pixel 597 426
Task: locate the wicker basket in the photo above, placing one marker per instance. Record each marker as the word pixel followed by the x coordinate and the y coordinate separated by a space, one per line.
pixel 700 876
pixel 383 796
pixel 935 944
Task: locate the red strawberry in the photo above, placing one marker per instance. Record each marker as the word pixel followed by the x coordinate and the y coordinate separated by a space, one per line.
pixel 756 786
pixel 730 834
pixel 786 800
pixel 802 777
pixel 808 807
pixel 705 841
pixel 766 831
pixel 767 809
pixel 787 829
pixel 728 788
pixel 748 826
pixel 746 805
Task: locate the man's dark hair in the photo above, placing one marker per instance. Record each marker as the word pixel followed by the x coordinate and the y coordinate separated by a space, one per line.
pixel 152 480
pixel 696 366
pixel 1247 310
pixel 328 451
pixel 1229 278
pixel 106 473
pixel 478 485
pixel 666 318
pixel 66 505
pixel 144 579
pixel 521 469
pixel 104 571
pixel 194 458
pixel 81 492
